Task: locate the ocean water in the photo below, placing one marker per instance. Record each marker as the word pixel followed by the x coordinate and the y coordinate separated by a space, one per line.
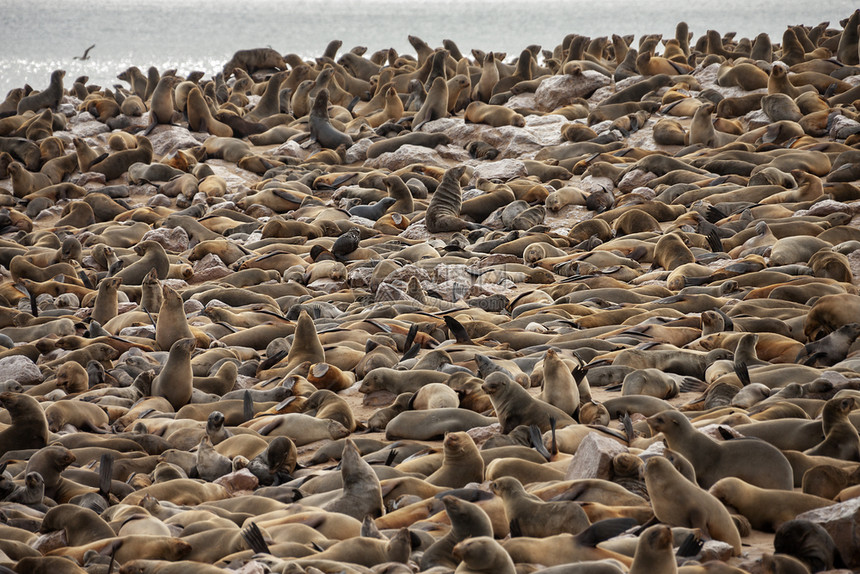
pixel 38 36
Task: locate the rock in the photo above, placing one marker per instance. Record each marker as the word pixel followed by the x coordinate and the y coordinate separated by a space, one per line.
pixel 83 179
pixel 85 125
pixel 593 458
pixel 174 240
pixel 405 156
pixel 482 434
pixel 591 184
pixel 512 142
pixel 504 170
pixel 757 119
pixel 166 139
pixel 192 306
pixel 210 268
pixel 142 331
pixel 842 522
pixel 715 550
pixel 241 480
pixel 357 152
pixel 826 207
pixel 633 179
pixel 558 91
pixel 293 149
pixel 20 369
pixel 159 200
pixel 843 127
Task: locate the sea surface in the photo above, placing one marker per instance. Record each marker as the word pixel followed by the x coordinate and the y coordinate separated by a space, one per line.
pixel 38 36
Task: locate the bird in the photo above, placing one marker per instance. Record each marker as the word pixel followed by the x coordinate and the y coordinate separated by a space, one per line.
pixel 86 55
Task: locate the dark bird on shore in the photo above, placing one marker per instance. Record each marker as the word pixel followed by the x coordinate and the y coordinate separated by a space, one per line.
pixel 86 55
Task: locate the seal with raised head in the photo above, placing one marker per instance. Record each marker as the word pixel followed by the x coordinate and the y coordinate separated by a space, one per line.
pixel 714 460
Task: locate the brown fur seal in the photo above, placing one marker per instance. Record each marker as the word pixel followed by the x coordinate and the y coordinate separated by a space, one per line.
pixel 362 495
pixel 714 460
pixel 306 344
pixel 171 324
pixel 531 516
pixel 48 98
pixel 678 502
pixel 461 462
pixel 153 256
pixel 320 125
pixel 468 520
pixel 174 382
pixel 444 209
pixel 654 552
pixel 482 555
pixel 841 440
pixel 514 406
pixel 766 509
pixel 29 427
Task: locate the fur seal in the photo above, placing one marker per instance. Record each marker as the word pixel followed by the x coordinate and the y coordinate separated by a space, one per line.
pixel 678 502
pixel 531 516
pixel 514 406
pixel 28 428
pixel 320 125
pixel 766 509
pixel 714 460
pixel 461 462
pixel 362 495
pixel 174 382
pixel 444 210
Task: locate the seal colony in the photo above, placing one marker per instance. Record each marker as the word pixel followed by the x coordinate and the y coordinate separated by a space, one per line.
pixel 590 308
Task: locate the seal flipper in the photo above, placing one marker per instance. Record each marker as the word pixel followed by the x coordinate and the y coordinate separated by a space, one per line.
pixel 105 474
pixel 690 547
pixel 458 331
pixel 247 406
pixel 254 538
pixel 604 530
pixel 537 441
pixel 742 372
